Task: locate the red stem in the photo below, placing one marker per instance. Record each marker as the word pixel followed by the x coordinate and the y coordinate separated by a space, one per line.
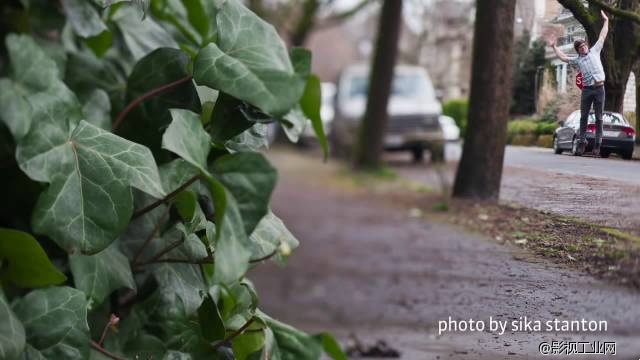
pixel 146 209
pixel 143 97
pixel 99 348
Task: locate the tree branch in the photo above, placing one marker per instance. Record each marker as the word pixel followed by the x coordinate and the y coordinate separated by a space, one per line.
pixel 627 14
pixel 123 114
pixel 146 209
pixel 264 257
pixel 233 335
pixel 583 16
pixel 335 19
pixel 157 257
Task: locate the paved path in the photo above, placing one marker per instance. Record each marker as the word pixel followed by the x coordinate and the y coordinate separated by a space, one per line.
pixel 366 268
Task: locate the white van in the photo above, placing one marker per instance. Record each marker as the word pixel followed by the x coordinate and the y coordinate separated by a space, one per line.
pixel 413 112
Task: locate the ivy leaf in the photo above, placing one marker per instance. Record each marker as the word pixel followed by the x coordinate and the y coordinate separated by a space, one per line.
pixel 141 36
pixel 12 337
pixel 211 324
pixel 249 62
pixel 253 139
pixel 97 109
pixel 186 137
pixel 310 104
pixel 233 248
pixel 100 274
pixel 228 119
pixel 160 67
pixel 24 261
pixel 55 321
pixel 176 173
pixel 330 346
pixel 251 179
pixel 292 343
pixel 89 203
pixel 271 235
pixel 43 152
pixel 294 123
pixel 197 15
pixel 247 344
pixel 31 67
pixel 32 71
pixel 84 19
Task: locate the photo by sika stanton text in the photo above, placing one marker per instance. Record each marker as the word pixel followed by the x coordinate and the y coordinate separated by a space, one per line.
pixel 522 324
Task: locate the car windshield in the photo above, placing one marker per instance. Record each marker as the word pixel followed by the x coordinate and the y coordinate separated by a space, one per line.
pixel 608 118
pixel 404 85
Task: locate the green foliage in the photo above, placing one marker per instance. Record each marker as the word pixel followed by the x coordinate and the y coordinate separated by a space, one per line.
pixel 530 132
pixel 529 61
pixel 148 191
pixel 458 109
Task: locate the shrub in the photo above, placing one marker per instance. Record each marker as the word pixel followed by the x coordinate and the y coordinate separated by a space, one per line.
pixel 149 220
pixel 545 128
pixel 458 109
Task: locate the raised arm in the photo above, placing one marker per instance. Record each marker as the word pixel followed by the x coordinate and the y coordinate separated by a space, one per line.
pixel 605 27
pixel 551 40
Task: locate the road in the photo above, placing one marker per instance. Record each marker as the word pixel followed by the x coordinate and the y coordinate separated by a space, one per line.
pixel 602 191
pixel 542 159
pixel 367 270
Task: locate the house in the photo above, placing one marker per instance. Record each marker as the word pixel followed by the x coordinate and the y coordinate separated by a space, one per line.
pixel 565 74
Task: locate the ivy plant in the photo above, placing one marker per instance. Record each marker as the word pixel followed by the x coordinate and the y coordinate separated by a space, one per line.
pixel 137 191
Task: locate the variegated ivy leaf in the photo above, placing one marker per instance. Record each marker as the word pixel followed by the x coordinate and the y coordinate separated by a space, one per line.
pixel 83 17
pixel 187 138
pixel 55 320
pixel 100 274
pixel 12 337
pixel 89 202
pixel 249 61
pixel 271 235
pixel 251 179
pixel 32 71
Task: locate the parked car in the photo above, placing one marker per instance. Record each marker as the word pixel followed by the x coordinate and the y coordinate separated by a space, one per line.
pixel 450 130
pixel 617 136
pixel 413 112
pixel 327 111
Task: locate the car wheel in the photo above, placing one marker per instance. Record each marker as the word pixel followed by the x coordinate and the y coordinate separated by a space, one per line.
pixel 627 155
pixel 437 154
pixel 605 153
pixel 574 147
pixel 418 155
pixel 556 147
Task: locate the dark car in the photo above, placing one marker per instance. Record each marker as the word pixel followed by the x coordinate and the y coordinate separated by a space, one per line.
pixel 617 135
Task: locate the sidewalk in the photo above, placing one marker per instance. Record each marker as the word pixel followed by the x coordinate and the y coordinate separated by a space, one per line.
pixel 373 269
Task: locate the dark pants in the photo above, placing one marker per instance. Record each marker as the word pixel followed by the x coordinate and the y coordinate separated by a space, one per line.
pixel 590 96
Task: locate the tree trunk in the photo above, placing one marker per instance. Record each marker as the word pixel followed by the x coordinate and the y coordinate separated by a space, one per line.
pixel 480 169
pixel 636 72
pixel 305 24
pixel 371 140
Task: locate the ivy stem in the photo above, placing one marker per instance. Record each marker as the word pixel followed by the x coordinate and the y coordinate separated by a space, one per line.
pixel 161 253
pixel 113 320
pixel 104 351
pixel 123 114
pixel 146 209
pixel 207 260
pixel 233 335
pixel 147 241
pixel 267 257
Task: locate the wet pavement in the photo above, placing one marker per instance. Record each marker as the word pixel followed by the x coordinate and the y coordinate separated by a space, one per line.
pixel 601 191
pixel 365 268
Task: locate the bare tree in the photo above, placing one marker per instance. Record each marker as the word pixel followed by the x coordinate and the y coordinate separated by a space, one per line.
pixel 297 19
pixel 480 169
pixel 370 142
